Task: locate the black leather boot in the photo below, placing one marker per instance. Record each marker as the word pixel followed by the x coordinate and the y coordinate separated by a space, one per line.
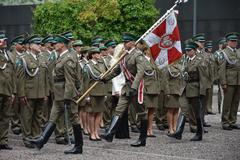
pixel 180 127
pixel 198 136
pixel 143 135
pixel 77 149
pixel 112 129
pixel 39 142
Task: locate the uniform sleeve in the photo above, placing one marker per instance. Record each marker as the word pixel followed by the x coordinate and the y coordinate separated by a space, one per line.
pixel 115 72
pixel 70 90
pixel 222 72
pixel 140 71
pixel 203 76
pixel 20 74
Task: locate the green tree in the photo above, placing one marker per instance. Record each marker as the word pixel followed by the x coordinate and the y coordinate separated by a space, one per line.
pixel 88 18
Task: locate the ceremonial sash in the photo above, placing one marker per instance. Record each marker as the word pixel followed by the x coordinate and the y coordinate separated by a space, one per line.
pixel 130 77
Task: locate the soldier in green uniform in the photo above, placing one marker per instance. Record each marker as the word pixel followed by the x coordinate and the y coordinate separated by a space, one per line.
pixel 195 88
pixel 65 91
pixel 161 112
pixel 230 81
pixel 151 86
pixel 108 112
pixel 84 104
pixel 18 53
pixel 7 91
pixel 133 67
pixel 95 68
pixel 33 89
pixel 219 57
pixel 51 57
pixel 212 68
pixel 200 40
pixel 174 75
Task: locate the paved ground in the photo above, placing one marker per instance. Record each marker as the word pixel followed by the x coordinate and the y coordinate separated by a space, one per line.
pixel 217 144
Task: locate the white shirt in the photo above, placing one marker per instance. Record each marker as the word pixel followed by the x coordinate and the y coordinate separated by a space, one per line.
pixel 192 58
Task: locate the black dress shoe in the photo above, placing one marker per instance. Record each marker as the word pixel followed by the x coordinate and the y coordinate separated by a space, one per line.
pixel 206 125
pixel 211 113
pixel 234 126
pixel 193 130
pixel 85 133
pixel 16 130
pixel 139 143
pixel 151 136
pixel 5 146
pixel 61 141
pixel 228 128
pixel 99 139
pixel 161 128
pixel 75 150
pixel 29 145
pixel 197 138
pixel 91 139
pixel 135 130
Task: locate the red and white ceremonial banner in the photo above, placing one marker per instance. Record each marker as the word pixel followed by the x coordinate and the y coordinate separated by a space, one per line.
pixel 164 42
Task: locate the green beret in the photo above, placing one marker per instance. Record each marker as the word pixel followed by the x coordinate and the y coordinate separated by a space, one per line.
pixel 77 43
pixel 190 45
pixel 48 39
pixel 3 36
pixel 126 37
pixel 93 50
pixel 102 48
pixel 35 39
pixel 233 36
pixel 199 37
pixel 18 40
pixel 222 40
pixel 208 44
pixel 96 40
pixel 68 35
pixel 60 39
pixel 110 43
pixel 85 49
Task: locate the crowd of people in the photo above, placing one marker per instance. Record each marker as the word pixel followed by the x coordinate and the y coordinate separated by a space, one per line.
pixel 41 80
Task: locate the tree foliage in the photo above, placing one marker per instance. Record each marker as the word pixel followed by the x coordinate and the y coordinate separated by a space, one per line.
pixel 88 18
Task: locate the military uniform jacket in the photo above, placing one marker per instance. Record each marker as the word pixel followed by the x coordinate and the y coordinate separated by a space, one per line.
pixel 219 57
pixel 196 70
pixel 107 63
pixel 209 64
pixel 163 81
pixel 51 62
pixel 230 67
pixel 134 62
pixel 33 80
pixel 7 74
pixel 84 77
pixel 95 69
pixel 174 76
pixel 65 77
pixel 151 84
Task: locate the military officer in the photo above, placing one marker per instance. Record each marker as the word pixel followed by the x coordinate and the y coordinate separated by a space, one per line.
pixel 97 41
pixel 18 53
pixel 133 68
pixel 108 112
pixel 219 57
pixel 65 91
pixel 95 68
pixel 7 91
pixel 151 86
pixel 195 88
pixel 84 104
pixel 33 89
pixel 230 81
pixel 174 75
pixel 212 68
pixel 200 40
